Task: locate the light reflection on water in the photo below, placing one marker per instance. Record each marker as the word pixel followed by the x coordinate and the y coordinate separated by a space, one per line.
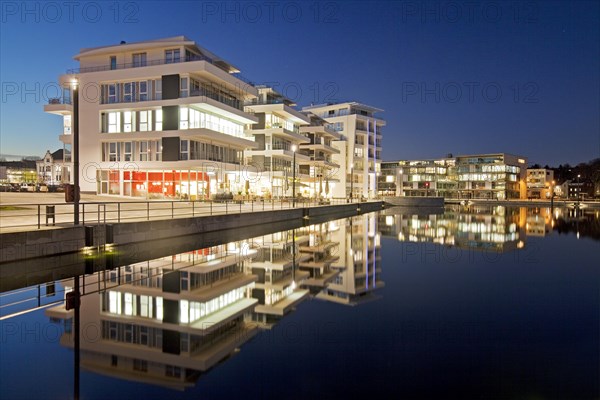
pixel 166 322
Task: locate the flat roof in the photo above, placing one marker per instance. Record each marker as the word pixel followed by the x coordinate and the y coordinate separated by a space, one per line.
pixel 155 43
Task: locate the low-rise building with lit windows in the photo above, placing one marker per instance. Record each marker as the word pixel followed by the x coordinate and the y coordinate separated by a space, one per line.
pixel 484 176
pixel 540 183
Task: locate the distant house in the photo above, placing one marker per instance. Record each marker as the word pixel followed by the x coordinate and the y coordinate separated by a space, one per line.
pixel 53 168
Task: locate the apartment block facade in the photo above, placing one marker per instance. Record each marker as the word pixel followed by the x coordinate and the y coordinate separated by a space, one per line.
pixel 359 146
pixel 160 118
pixel 168 118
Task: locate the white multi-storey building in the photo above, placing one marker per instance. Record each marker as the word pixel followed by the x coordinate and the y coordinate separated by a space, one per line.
pixel 359 146
pixel 321 170
pixel 277 137
pixel 159 118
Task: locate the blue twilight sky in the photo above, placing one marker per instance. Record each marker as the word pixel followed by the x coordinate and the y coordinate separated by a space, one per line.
pixel 452 76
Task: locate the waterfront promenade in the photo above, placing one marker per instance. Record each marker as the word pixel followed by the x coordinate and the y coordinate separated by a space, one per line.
pixel 21 212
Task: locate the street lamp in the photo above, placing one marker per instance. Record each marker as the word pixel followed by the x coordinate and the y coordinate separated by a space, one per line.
pixel 75 121
pixel 351 182
pixel 294 176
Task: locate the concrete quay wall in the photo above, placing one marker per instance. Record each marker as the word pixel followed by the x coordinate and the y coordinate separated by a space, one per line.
pixel 414 201
pixel 39 243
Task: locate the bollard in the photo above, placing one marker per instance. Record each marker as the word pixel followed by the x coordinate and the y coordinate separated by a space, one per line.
pixel 89 236
pixel 109 234
pixel 50 214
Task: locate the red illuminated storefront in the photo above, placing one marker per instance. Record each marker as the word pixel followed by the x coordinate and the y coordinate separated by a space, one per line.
pixel 192 185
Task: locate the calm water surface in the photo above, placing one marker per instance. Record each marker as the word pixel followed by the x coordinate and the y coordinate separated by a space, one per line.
pixel 479 302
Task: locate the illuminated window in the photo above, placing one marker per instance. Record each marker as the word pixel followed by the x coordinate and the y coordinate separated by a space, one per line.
pixel 145 118
pixel 128 304
pixel 114 302
pixel 159 120
pixel 114 122
pixel 127 121
pixel 159 308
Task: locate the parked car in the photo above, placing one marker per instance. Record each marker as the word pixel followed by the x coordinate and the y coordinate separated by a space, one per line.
pixel 6 187
pixel 27 187
pixel 56 188
pixel 42 188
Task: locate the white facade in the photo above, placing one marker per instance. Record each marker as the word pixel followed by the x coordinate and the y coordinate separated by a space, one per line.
pixel 277 137
pixel 161 118
pixel 359 146
pixel 54 168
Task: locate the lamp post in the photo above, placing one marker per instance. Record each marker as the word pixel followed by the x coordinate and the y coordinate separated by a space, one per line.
pixel 75 121
pixel 552 195
pixel 351 182
pixel 294 176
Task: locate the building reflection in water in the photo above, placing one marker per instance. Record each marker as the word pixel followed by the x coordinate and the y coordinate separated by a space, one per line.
pixel 476 227
pixel 486 227
pixel 358 262
pixel 168 320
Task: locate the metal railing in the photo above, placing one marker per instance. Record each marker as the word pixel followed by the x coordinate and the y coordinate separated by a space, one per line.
pixel 213 94
pixel 162 61
pixel 21 217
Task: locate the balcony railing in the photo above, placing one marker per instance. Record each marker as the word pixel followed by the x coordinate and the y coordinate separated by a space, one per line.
pixel 281 146
pixel 163 61
pixel 59 100
pixel 211 94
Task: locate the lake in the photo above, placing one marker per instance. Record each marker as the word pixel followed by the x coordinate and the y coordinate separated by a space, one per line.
pixel 477 301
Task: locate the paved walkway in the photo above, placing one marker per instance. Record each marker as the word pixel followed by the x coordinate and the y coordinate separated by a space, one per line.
pixel 28 211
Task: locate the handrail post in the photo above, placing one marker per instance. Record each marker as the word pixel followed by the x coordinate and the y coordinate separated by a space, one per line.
pixel 83 216
pixel 147 211
pixel 172 204
pixel 192 208
pixel 98 213
pixel 119 212
pixel 39 206
pixel 225 207
pixel 211 203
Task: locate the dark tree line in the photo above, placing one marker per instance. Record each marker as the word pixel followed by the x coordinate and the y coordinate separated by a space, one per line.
pixel 589 171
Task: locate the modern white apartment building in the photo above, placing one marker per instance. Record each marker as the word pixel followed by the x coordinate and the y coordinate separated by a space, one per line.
pixel 159 118
pixel 321 170
pixel 277 137
pixel 359 146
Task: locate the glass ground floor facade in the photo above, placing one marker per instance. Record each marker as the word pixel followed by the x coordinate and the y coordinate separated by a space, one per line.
pixel 203 185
